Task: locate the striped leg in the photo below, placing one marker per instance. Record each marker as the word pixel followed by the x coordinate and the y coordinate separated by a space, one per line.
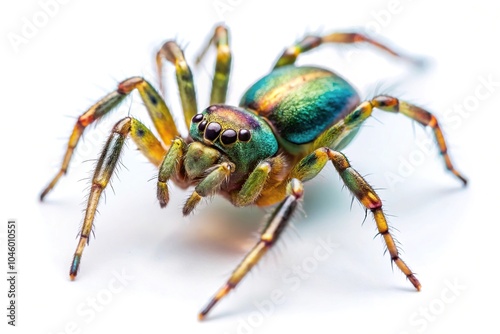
pixel 275 225
pixel 334 135
pixel 173 53
pixel 312 164
pixel 148 145
pixel 290 54
pixel 157 109
pixel 370 200
pixel 220 81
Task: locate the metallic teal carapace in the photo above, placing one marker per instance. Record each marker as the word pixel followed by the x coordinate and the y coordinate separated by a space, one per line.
pixel 255 139
pixel 301 102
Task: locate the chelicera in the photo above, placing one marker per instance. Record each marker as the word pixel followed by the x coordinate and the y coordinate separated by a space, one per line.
pixel 287 126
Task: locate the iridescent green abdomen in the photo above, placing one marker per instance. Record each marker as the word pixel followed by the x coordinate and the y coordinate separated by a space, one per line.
pixel 301 102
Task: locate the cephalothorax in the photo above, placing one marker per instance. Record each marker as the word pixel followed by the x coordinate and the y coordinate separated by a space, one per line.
pixel 288 125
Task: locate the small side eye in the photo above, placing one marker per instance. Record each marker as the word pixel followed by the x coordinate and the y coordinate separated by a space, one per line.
pixel 202 126
pixel 197 118
pixel 228 137
pixel 213 130
pixel 244 135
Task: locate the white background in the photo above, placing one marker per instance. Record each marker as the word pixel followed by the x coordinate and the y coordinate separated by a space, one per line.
pixel 174 264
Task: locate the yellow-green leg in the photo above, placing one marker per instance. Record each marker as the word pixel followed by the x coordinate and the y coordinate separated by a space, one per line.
pixel 333 136
pixel 290 54
pixel 266 175
pixel 274 226
pixel 312 164
pixel 147 144
pixel 168 168
pixel 157 109
pixel 209 185
pixel 192 162
pixel 173 53
pixel 253 185
pixel 220 82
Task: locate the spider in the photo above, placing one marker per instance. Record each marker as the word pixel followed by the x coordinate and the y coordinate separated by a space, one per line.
pixel 287 126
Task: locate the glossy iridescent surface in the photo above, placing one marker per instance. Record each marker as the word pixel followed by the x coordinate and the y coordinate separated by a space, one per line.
pixel 301 102
pixel 255 138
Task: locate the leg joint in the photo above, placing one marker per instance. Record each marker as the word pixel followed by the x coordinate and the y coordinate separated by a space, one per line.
pixel 339 160
pixel 123 126
pixel 128 85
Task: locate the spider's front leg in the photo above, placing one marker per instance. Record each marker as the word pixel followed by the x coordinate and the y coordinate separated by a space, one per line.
pixel 147 144
pixel 158 111
pixel 174 54
pixel 220 81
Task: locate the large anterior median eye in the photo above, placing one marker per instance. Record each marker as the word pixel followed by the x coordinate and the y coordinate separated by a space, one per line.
pixel 228 137
pixel 212 131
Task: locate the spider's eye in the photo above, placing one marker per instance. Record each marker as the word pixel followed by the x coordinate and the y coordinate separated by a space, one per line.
pixel 212 131
pixel 244 135
pixel 197 118
pixel 228 137
pixel 202 126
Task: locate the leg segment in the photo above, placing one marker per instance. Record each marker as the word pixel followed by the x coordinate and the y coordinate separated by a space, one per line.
pixel 209 185
pixel 253 185
pixel 265 177
pixel 168 168
pixel 333 136
pixel 290 55
pixel 155 105
pixel 171 52
pixel 275 225
pixel 422 116
pixel 370 200
pixel 312 164
pixel 106 164
pixel 222 66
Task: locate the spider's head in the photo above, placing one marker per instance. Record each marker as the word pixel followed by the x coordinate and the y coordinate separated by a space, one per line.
pixel 240 136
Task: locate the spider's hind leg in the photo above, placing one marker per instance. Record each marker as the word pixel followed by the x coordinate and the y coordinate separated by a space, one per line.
pixel 312 164
pixel 332 136
pixel 291 53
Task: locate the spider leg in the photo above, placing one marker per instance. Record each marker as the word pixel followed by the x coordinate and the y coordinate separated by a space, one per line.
pixel 220 81
pixel 313 163
pixel 352 121
pixel 147 144
pixel 168 168
pixel 157 109
pixel 173 53
pixel 291 54
pixel 209 185
pixel 265 176
pixel 274 226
